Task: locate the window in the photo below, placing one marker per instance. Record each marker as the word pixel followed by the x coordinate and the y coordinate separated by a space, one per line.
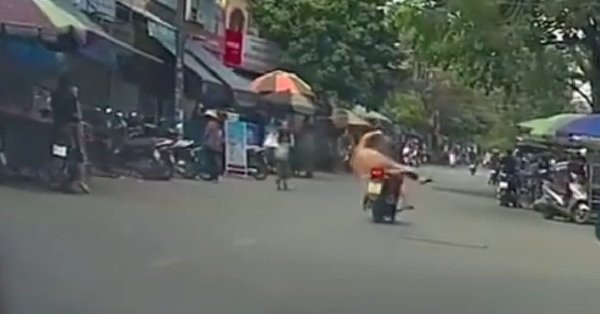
pixel 237 19
pixel 194 13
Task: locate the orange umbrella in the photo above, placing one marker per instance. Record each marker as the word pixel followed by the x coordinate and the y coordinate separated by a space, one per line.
pixel 282 82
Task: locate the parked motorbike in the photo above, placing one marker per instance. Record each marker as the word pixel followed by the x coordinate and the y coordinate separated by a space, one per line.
pixel 132 150
pixel 187 158
pixel 506 192
pixel 258 164
pixel 573 207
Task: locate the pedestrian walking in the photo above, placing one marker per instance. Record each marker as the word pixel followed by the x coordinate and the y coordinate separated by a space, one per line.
pixel 285 142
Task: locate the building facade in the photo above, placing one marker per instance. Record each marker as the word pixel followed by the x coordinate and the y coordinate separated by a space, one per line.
pixel 226 29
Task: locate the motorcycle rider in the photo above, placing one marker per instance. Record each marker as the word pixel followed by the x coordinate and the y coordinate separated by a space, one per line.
pixel 577 170
pixel 67 126
pixel 509 165
pixel 472 155
pixel 369 153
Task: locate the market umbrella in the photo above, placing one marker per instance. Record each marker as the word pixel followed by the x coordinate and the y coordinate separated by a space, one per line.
pixel 374 115
pixel 297 102
pixel 548 127
pixel 344 117
pixel 584 126
pixel 280 81
pixel 355 120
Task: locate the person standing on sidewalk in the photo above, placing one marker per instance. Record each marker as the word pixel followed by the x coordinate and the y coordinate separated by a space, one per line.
pixel 67 126
pixel 213 139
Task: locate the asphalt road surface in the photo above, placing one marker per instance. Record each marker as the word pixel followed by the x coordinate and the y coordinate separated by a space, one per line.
pixel 241 247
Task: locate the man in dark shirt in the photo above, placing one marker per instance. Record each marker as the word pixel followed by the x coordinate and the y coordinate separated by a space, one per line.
pixel 509 163
pixel 67 128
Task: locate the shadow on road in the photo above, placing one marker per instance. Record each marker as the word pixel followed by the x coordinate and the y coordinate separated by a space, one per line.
pixel 468 192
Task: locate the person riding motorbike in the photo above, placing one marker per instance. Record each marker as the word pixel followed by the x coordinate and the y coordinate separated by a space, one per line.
pixel 369 154
pixel 67 127
pixel 509 165
pixel 577 172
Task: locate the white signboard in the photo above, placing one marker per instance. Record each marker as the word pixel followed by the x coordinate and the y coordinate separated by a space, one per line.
pixel 236 147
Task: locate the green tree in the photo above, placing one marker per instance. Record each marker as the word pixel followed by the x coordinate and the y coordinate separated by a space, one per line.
pixel 343 46
pixel 491 49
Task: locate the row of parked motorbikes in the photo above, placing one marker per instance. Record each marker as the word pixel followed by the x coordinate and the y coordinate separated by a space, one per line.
pixel 554 192
pixel 120 144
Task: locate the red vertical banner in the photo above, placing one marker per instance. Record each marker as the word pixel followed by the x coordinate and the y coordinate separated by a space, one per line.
pixel 234 47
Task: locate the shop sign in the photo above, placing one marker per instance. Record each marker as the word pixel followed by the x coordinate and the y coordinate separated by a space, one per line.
pixel 260 55
pixel 234 45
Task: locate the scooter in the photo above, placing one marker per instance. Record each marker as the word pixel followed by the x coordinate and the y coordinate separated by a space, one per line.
pixel 61 171
pixel 132 150
pixel 493 179
pixel 258 164
pixel 574 208
pixel 381 196
pixel 506 192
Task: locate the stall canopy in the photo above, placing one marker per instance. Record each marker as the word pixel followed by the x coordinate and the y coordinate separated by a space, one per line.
pixel 584 126
pixel 370 115
pixel 549 127
pixel 297 102
pixel 287 91
pixel 281 81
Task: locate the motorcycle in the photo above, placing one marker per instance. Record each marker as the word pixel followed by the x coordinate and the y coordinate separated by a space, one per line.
pixel 493 179
pixel 381 197
pixel 131 149
pixel 506 192
pixel 188 162
pixel 574 208
pixel 258 164
pixel 60 173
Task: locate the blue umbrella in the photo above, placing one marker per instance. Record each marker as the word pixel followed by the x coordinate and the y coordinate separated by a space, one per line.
pixel 585 126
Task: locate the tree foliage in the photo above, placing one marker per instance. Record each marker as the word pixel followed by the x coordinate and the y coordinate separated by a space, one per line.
pixel 494 46
pixel 343 46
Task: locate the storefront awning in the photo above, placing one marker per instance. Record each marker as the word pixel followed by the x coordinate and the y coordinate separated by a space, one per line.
pixel 212 68
pixel 236 82
pixel 63 14
pixel 166 37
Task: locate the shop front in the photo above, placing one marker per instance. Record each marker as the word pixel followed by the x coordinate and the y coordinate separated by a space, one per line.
pixel 31 63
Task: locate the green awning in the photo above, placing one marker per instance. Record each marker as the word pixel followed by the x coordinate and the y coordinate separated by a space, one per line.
pixel 63 14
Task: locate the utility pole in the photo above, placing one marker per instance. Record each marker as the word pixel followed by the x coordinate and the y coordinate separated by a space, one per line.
pixel 179 59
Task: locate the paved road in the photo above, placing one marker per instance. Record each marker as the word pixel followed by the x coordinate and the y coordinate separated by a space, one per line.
pixel 240 247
